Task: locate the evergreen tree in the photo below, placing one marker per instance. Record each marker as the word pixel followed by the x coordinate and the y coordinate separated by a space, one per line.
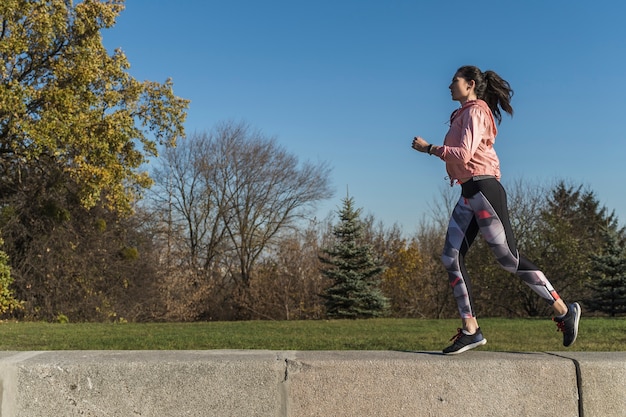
pixel 355 292
pixel 608 274
pixel 569 231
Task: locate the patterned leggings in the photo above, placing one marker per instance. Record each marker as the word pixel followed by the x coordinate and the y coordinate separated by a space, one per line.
pixel 483 207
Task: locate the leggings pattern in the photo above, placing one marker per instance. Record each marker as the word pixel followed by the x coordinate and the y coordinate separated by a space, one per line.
pixel 477 213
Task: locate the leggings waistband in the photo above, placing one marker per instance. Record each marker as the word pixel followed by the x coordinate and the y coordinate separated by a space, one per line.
pixel 482 177
pixel 476 184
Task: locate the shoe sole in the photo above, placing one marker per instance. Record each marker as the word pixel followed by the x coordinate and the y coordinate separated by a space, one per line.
pixel 467 347
pixel 576 321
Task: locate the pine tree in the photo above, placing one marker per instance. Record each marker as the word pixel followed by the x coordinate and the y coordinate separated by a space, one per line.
pixel 608 274
pixel 355 292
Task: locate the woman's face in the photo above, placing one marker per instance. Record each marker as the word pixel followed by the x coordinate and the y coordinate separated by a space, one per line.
pixel 460 89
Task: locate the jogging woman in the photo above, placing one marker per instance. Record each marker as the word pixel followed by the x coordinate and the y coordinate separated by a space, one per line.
pixel 471 161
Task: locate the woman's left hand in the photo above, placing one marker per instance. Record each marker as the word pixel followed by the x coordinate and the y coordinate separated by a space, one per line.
pixel 419 144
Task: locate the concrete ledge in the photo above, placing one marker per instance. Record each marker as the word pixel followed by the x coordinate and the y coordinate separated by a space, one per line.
pixel 602 382
pixel 298 384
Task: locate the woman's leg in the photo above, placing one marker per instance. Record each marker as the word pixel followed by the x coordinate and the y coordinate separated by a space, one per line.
pixel 483 207
pixel 490 208
pixel 462 230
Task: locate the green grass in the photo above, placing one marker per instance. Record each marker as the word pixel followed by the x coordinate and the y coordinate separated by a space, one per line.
pixel 517 335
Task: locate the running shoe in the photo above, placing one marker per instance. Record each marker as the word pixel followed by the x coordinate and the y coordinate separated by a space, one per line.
pixel 568 324
pixel 464 341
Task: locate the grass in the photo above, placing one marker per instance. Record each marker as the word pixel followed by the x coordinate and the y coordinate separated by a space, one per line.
pixel 518 335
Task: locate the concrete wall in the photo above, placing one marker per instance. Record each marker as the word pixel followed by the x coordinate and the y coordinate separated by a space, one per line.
pixel 299 384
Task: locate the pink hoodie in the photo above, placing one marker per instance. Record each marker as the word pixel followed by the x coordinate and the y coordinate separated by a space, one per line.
pixel 468 146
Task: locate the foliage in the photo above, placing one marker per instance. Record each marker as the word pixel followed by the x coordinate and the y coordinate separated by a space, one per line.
pixel 401 280
pixel 75 129
pixel 355 291
pixel 414 278
pixel 81 268
pixel 8 302
pixel 571 230
pixel 608 276
pixel 287 283
pixel 70 114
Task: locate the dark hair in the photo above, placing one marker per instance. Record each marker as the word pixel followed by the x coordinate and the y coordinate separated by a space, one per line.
pixel 491 88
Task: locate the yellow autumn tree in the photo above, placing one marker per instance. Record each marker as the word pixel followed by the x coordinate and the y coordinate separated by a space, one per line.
pixel 75 130
pixel 69 111
pixel 402 283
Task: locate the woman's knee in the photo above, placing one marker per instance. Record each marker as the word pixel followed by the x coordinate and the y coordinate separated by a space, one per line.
pixel 450 259
pixel 508 261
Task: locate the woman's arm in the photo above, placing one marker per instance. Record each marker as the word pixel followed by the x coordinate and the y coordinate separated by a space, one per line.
pixel 472 129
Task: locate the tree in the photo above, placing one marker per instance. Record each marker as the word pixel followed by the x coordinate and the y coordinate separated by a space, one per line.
pixel 608 276
pixel 355 292
pixel 87 265
pixel 224 198
pixel 75 129
pixel 287 283
pixel 403 283
pixel 265 188
pixel 8 303
pixel 570 230
pixel 70 114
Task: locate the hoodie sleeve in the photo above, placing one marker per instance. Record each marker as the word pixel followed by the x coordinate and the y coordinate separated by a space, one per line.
pixel 466 136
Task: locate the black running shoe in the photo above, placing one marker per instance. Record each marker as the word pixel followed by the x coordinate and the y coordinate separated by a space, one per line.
pixel 569 324
pixel 464 341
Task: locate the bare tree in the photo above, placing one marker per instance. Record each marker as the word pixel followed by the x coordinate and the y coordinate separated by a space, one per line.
pixel 223 197
pixel 442 206
pixel 437 297
pixel 189 204
pixel 263 189
pixel 288 283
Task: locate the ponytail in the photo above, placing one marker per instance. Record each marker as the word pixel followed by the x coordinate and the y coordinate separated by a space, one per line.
pixel 491 88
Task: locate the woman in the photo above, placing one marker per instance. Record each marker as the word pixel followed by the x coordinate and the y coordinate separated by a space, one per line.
pixel 472 162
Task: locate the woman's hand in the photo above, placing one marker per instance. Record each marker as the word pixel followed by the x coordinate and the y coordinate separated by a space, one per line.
pixel 419 144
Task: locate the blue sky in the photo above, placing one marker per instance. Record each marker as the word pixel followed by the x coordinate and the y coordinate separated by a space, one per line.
pixel 350 82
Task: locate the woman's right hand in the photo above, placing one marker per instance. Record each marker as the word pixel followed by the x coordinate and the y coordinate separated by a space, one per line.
pixel 419 144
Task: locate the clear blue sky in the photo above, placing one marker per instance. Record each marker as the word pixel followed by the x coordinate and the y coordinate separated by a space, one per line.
pixel 350 82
